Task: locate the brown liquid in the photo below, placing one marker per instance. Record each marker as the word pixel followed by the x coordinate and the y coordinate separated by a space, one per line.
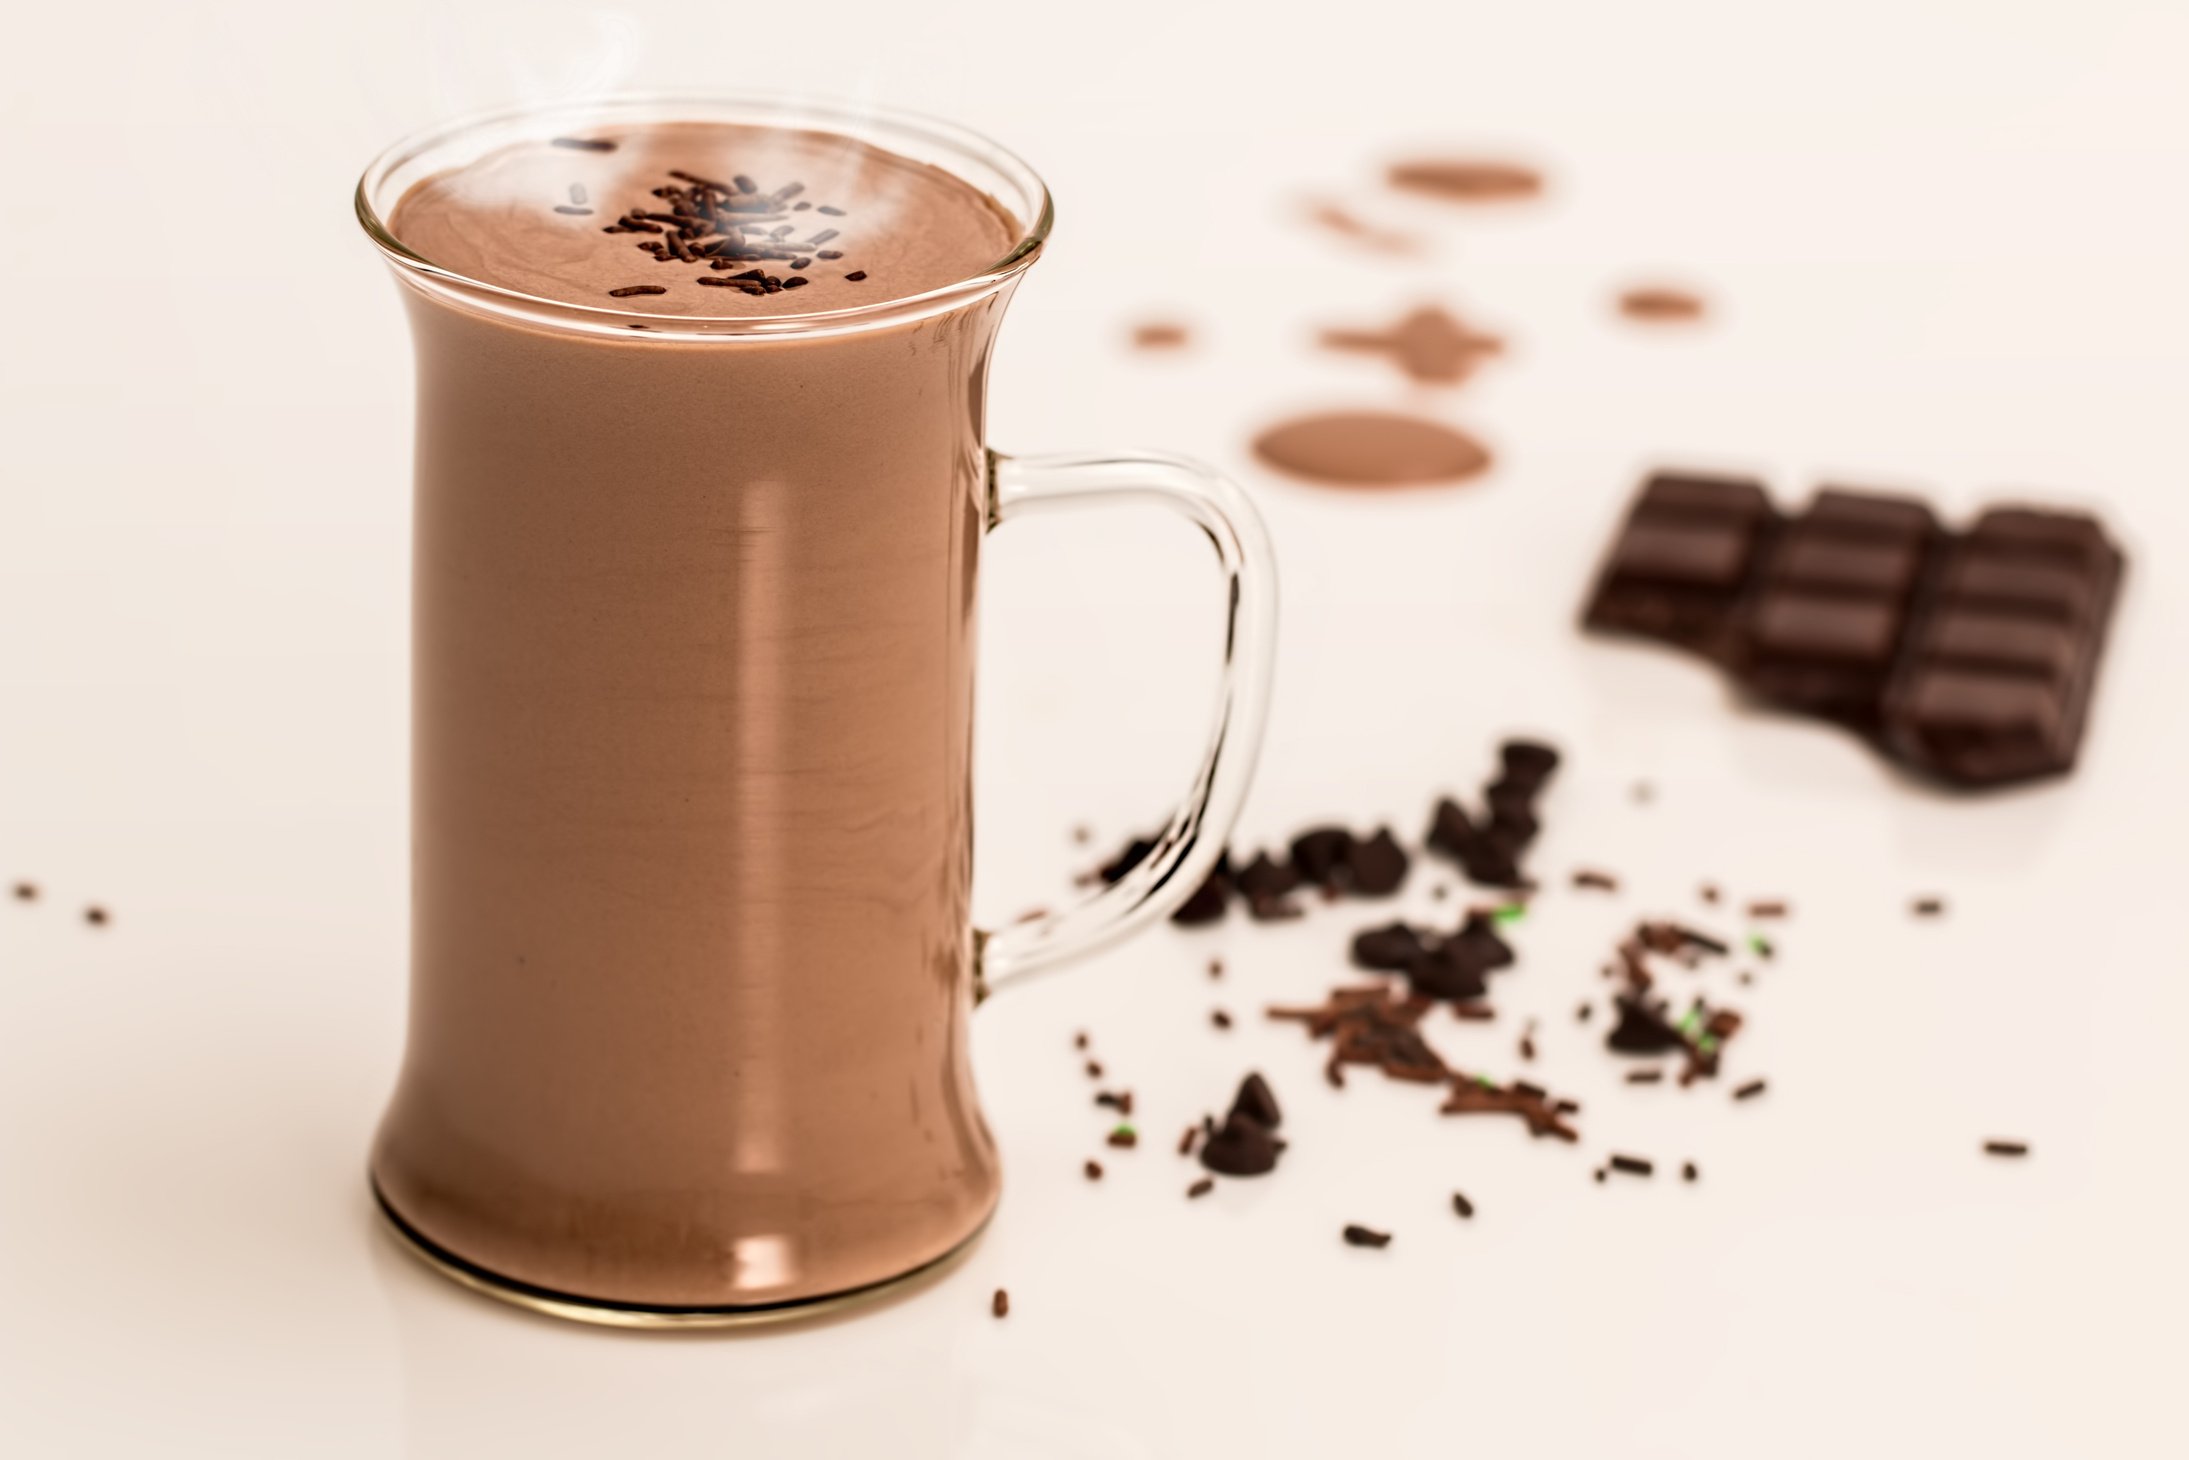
pixel 693 685
pixel 1371 449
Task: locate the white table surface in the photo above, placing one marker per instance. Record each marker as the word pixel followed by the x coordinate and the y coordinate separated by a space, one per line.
pixel 1949 243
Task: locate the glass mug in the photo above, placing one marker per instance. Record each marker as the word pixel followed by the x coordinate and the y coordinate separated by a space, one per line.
pixel 692 957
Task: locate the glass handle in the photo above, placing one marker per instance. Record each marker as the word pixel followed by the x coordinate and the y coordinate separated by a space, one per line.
pixel 1187 849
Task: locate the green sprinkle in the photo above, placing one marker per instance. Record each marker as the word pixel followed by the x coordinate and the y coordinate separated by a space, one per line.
pixel 1759 945
pixel 1124 1128
pixel 1486 1082
pixel 1706 1044
pixel 1689 1020
pixel 1511 912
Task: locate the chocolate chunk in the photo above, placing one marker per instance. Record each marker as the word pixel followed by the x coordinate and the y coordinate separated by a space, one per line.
pixel 1266 877
pixel 1241 1146
pixel 1479 943
pixel 1392 949
pixel 1267 909
pixel 1448 971
pixel 1682 560
pixel 1643 1028
pixel 1257 1102
pixel 1527 762
pixel 1450 830
pixel 1207 903
pixel 1378 865
pixel 1359 1236
pixel 1323 856
pixel 1136 852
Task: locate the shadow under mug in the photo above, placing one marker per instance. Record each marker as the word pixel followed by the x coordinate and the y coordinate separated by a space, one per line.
pixel 692 953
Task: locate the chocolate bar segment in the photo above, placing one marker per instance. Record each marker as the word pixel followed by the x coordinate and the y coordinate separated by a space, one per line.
pixel 1997 682
pixel 1822 629
pixel 1687 552
pixel 1970 656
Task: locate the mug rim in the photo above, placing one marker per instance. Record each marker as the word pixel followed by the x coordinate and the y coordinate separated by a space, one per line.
pixel 876 126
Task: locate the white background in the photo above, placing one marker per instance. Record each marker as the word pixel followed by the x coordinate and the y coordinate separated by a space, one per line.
pixel 1948 240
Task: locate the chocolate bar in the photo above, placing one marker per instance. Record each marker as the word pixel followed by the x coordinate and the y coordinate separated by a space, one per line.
pixel 1971 656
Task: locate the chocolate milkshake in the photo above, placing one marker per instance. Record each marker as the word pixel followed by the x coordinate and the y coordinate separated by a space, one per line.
pixel 693 656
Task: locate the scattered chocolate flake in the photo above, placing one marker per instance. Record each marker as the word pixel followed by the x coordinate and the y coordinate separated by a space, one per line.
pixel 1124 1137
pixel 1185 1142
pixel 1216 968
pixel 1257 1101
pixel 1584 1013
pixel 1645 1077
pixel 1265 909
pixel 1372 450
pixel 1000 1304
pixel 1632 1165
pixel 2006 1148
pixel 1750 1090
pixel 1527 1041
pixel 1241 1147
pixel 1266 877
pixel 1642 1028
pixel 1928 907
pixel 1079 1040
pixel 1093 1170
pixel 1461 1205
pixel 26 892
pixel 1120 1101
pixel 630 290
pixel 1359 1236
pixel 856 275
pixel 1138 850
pixel 583 144
pixel 97 916
pixel 1600 1176
pixel 1709 893
pixel 1082 834
pixel 1161 335
pixel 1392 949
pixel 1688 1171
pixel 1207 903
pixel 831 212
pixel 1094 1069
pixel 1477 1095
pixel 796 281
pixel 1595 881
pixel 1219 1018
pixel 1383 240
pixel 1200 1189
pixel 1768 908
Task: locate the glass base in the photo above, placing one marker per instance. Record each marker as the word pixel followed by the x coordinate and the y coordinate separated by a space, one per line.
pixel 648 1315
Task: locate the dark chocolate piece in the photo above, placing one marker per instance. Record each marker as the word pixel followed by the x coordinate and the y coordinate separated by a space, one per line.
pixel 1241 1147
pixel 1392 949
pixel 1643 1028
pixel 1264 877
pixel 1359 1236
pixel 1257 1102
pixel 1323 856
pixel 1378 865
pixel 1207 904
pixel 1970 656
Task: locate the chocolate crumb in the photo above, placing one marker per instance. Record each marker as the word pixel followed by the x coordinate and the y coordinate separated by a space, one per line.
pixel 1632 1165
pixel 1185 1142
pixel 26 892
pixel 96 916
pixel 1216 968
pixel 1527 1041
pixel 1200 1188
pixel 1461 1205
pixel 1094 1069
pixel 629 290
pixel 1644 1077
pixel 1120 1101
pixel 1688 1171
pixel 1767 908
pixel 1598 881
pixel 1643 793
pixel 1000 1305
pixel 1359 1236
pixel 828 253
pixel 583 144
pixel 1093 1170
pixel 1219 1018
pixel 1079 1040
pixel 1600 1177
pixel 1659 305
pixel 1082 834
pixel 796 281
pixel 2006 1148
pixel 1750 1090
pixel 1928 907
pixel 1709 893
pixel 1584 1013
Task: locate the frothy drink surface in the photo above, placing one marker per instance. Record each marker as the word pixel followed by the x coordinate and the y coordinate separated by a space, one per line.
pixel 575 219
pixel 692 702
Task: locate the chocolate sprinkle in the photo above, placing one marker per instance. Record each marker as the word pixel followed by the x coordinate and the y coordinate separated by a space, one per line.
pixel 1461 1205
pixel 1750 1090
pixel 26 892
pixel 1632 1165
pixel 1185 1142
pixel 629 290
pixel 97 916
pixel 1200 1189
pixel 1688 1171
pixel 1219 1018
pixel 1359 1236
pixel 1093 1170
pixel 1767 908
pixel 1124 1138
pixel 1644 1077
pixel 2006 1148
pixel 1000 1305
pixel 1597 881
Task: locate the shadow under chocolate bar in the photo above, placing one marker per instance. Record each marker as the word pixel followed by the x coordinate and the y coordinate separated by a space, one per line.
pixel 1971 656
